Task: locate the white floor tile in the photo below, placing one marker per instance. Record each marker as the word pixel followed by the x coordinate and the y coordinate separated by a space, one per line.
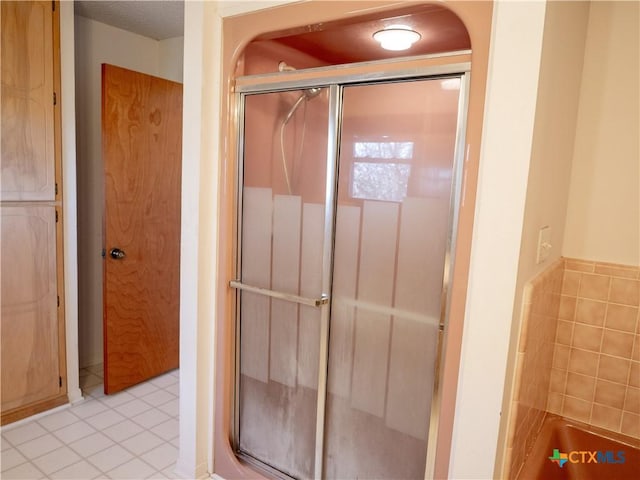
pixel 158 398
pixel 132 434
pixel 117 399
pixel 167 430
pixel 132 408
pixel 93 391
pixel 141 443
pixel 82 470
pixel 105 419
pixel 39 446
pixel 5 444
pixel 157 476
pixel 164 380
pixel 90 380
pixel 26 471
pixel 134 469
pixel 96 369
pixel 11 458
pixel 162 456
pixel 58 420
pixel 170 472
pixel 151 418
pixel 110 458
pixel 88 408
pixel 171 408
pixel 92 444
pixel 142 389
pixel 173 389
pixel 24 433
pixel 123 430
pixel 75 431
pixel 56 460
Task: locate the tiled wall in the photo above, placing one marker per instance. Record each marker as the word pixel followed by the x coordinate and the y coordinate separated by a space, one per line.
pixel 540 309
pixel 596 363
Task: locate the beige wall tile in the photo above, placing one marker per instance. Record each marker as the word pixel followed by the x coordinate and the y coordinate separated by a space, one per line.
pixel 557 380
pixel 554 403
pixel 610 394
pixel 616 343
pixel 613 369
pixel 561 357
pixel 580 386
pixel 579 265
pixel 524 328
pixel 630 424
pixel 586 337
pixel 576 409
pixel 632 400
pixel 571 283
pixel 636 348
pixel 564 332
pixel 634 375
pixel 606 417
pixel 622 317
pixel 617 271
pixel 595 287
pixel 625 291
pixel 567 309
pixel 590 311
pixel 583 362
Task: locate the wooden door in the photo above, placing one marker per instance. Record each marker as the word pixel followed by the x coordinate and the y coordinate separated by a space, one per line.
pixel 142 147
pixel 33 363
pixel 27 92
pixel 30 347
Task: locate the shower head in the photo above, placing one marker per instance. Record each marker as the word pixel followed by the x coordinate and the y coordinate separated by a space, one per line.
pixel 307 94
pixel 313 92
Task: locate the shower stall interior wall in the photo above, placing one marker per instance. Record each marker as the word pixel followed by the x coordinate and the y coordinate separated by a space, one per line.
pixel 346 208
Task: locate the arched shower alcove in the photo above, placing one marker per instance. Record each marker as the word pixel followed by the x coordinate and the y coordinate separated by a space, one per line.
pixel 338 343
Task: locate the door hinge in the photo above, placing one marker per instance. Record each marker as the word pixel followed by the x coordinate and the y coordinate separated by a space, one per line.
pixel 58 300
pixel 104 253
pixel 53 5
pixel 55 98
pixel 60 381
pixel 56 188
pixel 56 216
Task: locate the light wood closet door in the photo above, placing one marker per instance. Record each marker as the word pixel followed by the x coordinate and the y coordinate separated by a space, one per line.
pixel 32 320
pixel 30 356
pixel 27 125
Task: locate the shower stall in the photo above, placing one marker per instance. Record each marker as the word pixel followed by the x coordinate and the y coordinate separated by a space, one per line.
pixel 348 190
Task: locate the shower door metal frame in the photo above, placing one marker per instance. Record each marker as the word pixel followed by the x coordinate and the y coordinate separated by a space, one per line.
pixel 274 83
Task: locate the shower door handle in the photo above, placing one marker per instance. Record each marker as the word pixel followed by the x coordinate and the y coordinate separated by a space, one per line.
pixel 312 302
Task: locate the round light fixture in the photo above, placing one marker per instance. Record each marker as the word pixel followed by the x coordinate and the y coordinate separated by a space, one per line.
pixel 396 37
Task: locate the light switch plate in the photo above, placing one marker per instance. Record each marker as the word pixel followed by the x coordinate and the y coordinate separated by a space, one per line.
pixel 544 244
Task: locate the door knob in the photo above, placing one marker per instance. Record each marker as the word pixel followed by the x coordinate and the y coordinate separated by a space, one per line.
pixel 117 254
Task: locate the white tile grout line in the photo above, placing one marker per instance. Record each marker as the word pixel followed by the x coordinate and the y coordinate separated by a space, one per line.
pixel 166 417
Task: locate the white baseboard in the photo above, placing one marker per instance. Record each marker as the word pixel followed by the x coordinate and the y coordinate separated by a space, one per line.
pixel 187 472
pixel 75 396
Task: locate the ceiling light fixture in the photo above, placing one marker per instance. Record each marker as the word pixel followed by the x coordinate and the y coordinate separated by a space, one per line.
pixel 396 37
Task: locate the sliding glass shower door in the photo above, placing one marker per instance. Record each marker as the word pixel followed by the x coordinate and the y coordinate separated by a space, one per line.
pixel 283 231
pixel 346 207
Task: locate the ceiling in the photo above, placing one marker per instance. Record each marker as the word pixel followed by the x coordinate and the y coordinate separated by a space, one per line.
pixel 157 19
pixel 350 40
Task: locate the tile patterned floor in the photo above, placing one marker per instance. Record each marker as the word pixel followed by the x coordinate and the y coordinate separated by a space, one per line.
pixel 130 435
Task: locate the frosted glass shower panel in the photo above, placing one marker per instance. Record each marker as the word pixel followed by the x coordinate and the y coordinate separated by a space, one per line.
pixel 392 226
pixel 281 249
